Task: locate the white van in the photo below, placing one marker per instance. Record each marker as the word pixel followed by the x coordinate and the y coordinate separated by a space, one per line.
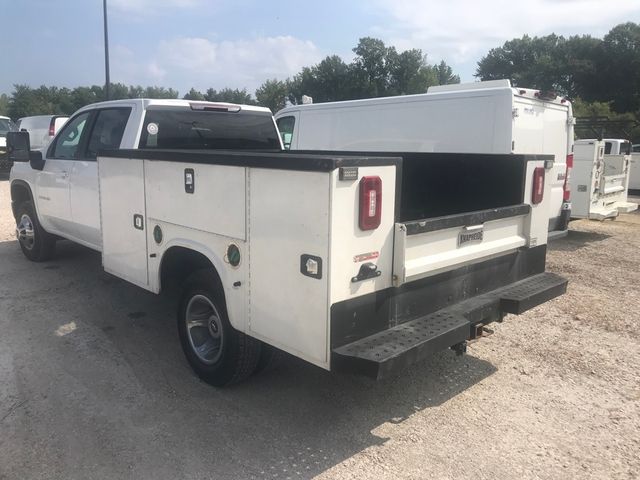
pixel 42 128
pixel 480 117
pixel 6 125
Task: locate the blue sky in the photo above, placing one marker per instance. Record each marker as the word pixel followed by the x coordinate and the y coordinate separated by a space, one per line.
pixel 239 44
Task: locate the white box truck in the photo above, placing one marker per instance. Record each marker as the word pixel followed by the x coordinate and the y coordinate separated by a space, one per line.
pixel 600 180
pixel 620 146
pixel 480 117
pixel 360 263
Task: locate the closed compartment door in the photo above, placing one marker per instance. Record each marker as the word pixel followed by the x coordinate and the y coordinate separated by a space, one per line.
pixel 123 219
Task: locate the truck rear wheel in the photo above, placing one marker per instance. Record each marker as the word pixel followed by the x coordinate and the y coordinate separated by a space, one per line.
pixel 36 243
pixel 219 354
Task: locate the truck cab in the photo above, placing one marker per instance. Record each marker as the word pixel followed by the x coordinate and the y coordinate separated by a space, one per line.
pixel 63 182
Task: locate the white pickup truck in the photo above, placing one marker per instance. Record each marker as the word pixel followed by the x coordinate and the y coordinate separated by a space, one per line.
pixel 360 263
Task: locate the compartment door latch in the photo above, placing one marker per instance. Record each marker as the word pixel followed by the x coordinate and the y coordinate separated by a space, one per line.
pixel 367 270
pixel 189 180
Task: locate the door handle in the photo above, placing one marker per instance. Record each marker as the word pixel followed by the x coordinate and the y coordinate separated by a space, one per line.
pixel 64 175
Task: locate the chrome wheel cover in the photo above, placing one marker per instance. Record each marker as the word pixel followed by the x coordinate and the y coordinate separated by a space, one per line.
pixel 204 329
pixel 25 232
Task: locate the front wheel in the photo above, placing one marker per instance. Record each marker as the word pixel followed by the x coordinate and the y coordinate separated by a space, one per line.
pixel 36 243
pixel 217 352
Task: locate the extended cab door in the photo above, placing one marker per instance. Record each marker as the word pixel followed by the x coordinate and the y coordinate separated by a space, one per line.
pixel 106 133
pixel 53 202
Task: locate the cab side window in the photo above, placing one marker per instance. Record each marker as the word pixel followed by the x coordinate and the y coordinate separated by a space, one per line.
pixel 68 142
pixel 107 130
pixel 285 126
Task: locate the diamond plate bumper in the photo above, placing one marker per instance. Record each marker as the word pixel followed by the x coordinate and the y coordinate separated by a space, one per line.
pixel 387 352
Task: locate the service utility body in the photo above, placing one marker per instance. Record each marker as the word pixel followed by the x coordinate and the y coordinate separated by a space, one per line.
pixel 353 262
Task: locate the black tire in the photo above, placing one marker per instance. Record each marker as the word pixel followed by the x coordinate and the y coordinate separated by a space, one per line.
pixel 219 354
pixel 36 243
pixel 270 358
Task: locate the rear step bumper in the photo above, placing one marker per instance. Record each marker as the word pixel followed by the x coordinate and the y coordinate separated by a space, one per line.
pixel 389 351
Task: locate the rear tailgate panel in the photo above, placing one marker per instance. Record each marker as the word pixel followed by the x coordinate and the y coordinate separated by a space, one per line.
pixel 428 247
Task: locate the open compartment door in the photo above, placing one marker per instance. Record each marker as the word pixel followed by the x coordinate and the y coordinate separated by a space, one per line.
pixel 123 219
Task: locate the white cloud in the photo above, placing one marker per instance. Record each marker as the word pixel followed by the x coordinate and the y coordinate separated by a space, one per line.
pixel 186 62
pixel 462 31
pixel 202 63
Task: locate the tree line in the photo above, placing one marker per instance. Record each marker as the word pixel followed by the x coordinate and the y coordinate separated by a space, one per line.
pixel 600 76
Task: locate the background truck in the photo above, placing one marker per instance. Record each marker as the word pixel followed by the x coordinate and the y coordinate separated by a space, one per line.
pixel 6 125
pixel 600 180
pixel 352 262
pixel 41 128
pixel 621 146
pixel 480 117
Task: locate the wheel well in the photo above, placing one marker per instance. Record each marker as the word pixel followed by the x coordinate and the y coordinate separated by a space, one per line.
pixel 19 193
pixel 180 262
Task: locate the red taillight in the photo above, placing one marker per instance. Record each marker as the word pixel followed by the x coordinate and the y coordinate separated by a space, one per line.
pixel 567 179
pixel 52 127
pixel 538 185
pixel 370 203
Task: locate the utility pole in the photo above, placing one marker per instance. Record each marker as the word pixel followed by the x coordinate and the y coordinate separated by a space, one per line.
pixel 106 51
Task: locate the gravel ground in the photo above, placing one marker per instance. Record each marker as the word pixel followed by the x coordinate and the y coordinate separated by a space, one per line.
pixel 93 385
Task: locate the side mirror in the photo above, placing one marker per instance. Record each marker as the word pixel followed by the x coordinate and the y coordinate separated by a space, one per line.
pixel 35 160
pixel 19 150
pixel 18 146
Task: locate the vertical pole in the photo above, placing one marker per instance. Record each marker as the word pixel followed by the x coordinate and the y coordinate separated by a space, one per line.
pixel 106 51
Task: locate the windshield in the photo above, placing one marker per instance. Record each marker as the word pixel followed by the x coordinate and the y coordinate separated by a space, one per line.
pixel 188 129
pixel 6 125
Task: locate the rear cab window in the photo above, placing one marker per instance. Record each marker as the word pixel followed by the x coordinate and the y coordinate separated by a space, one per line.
pixel 108 130
pixel 184 128
pixel 625 148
